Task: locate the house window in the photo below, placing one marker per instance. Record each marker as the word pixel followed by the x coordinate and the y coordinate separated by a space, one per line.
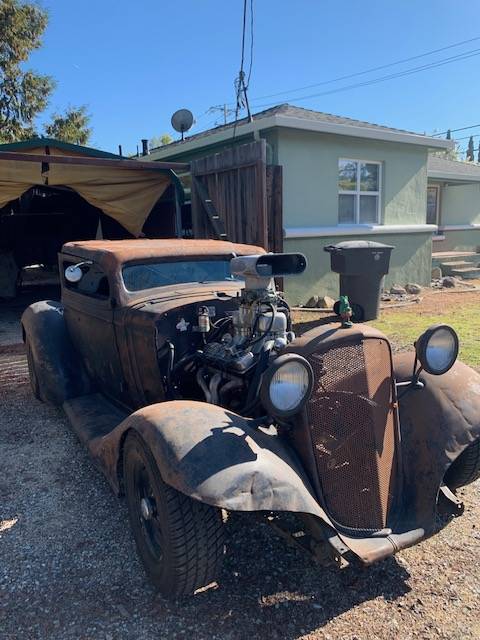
pixel 358 192
pixel 432 204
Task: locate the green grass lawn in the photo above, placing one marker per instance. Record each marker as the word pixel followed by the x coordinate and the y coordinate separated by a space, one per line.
pixel 403 326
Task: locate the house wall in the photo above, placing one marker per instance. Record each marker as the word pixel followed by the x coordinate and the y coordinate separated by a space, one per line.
pixel 310 199
pixel 458 240
pixel 460 204
pixel 310 177
pixel 459 207
pixel 410 261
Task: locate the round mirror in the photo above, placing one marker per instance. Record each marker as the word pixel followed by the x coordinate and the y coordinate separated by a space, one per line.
pixel 73 273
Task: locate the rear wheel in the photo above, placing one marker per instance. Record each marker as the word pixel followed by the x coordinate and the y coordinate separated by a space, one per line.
pixel 32 372
pixel 465 469
pixel 179 540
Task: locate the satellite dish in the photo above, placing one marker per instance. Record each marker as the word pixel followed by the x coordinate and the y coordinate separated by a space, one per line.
pixel 182 120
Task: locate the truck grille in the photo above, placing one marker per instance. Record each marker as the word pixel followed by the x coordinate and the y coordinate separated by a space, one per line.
pixel 353 429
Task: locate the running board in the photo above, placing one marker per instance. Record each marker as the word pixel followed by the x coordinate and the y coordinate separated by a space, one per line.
pixel 92 418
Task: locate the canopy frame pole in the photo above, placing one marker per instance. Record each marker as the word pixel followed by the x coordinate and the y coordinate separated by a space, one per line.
pixel 99 162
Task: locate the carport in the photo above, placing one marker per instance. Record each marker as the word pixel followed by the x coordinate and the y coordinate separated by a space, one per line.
pixel 53 192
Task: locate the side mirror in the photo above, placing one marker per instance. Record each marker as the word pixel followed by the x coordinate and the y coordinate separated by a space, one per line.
pixel 74 272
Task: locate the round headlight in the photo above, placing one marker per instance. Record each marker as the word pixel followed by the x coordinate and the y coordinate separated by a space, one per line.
pixel 437 349
pixel 287 385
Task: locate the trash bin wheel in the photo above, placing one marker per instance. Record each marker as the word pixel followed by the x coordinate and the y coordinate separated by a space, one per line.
pixel 357 311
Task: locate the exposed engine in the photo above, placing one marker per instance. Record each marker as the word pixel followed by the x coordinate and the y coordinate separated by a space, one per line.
pixel 236 348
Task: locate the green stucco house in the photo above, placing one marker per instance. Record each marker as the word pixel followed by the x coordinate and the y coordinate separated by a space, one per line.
pixel 342 179
pixel 453 204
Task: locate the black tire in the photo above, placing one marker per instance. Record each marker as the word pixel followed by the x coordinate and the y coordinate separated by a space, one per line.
pixel 465 469
pixel 32 372
pixel 181 542
pixel 357 311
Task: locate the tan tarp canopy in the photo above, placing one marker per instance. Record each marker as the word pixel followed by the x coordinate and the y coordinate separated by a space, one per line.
pixel 125 194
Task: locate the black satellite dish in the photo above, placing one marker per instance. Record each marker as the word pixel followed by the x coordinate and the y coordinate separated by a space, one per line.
pixel 182 120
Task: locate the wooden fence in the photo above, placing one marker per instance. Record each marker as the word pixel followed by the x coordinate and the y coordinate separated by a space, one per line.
pixel 237 196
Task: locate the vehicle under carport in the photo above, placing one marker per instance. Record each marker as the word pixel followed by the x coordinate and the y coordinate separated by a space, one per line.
pixel 53 192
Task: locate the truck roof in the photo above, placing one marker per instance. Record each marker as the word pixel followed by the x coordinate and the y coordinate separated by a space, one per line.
pixel 116 252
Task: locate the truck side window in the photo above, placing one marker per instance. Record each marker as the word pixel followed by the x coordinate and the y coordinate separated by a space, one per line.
pixel 93 283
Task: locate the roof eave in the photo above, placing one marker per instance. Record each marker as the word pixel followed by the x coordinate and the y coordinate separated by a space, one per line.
pixel 371 133
pixel 305 125
pixel 452 176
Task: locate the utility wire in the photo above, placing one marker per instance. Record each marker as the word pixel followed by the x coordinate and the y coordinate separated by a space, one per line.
pixel 476 135
pixel 371 70
pixel 241 86
pixel 433 65
pixel 251 44
pixel 442 133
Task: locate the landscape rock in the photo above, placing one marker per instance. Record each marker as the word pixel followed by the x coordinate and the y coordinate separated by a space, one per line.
pixel 398 290
pixel 449 282
pixel 312 302
pixel 413 289
pixel 437 273
pixel 325 302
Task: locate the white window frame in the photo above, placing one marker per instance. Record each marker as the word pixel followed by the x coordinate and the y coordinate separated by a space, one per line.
pixel 357 193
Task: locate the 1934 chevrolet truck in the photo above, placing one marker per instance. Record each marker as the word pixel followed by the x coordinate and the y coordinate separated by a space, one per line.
pixel 177 366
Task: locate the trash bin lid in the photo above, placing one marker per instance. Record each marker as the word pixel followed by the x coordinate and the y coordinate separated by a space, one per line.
pixel 357 244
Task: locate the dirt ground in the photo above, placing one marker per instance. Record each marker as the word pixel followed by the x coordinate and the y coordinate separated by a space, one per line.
pixel 68 567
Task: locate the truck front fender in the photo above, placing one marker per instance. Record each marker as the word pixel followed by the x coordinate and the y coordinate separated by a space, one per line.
pixel 438 423
pixel 216 456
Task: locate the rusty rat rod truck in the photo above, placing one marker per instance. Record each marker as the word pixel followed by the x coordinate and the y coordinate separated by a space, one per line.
pixel 177 366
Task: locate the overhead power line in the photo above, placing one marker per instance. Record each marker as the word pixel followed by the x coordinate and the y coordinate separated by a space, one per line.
pixel 475 135
pixel 366 71
pixel 241 86
pixel 442 133
pixel 433 65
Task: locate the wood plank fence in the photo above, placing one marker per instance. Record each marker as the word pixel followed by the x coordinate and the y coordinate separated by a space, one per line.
pixel 236 195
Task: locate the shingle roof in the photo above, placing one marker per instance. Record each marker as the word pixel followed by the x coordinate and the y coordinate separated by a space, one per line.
pixel 290 111
pixel 454 169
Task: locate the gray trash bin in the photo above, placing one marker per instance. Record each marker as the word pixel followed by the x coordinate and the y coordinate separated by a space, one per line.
pixel 362 265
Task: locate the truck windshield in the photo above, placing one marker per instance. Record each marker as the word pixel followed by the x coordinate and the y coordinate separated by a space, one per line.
pixel 150 275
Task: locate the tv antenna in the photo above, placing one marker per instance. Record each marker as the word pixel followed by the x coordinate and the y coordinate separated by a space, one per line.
pixel 182 120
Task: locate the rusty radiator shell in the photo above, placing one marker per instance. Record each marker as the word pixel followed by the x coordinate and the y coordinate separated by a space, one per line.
pixel 351 416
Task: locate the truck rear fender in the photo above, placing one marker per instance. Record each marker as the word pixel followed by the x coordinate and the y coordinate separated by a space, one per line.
pixel 60 372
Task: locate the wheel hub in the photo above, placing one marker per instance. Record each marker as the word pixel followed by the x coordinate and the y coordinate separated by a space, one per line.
pixel 146 509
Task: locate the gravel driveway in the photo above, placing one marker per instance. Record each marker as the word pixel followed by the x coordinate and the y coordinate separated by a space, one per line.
pixel 68 567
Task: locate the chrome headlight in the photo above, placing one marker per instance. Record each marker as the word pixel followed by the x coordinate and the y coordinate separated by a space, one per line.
pixel 437 349
pixel 287 385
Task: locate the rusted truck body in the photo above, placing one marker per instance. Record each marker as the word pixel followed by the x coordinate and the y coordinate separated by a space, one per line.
pixel 177 366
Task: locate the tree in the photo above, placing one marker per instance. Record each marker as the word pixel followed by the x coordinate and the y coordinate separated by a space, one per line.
pixel 23 93
pixel 470 150
pixel 160 141
pixel 448 154
pixel 449 135
pixel 71 127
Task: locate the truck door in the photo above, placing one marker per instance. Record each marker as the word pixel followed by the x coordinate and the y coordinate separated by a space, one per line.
pixel 89 318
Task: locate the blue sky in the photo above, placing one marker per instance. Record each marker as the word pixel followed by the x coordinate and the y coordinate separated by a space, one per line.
pixel 134 63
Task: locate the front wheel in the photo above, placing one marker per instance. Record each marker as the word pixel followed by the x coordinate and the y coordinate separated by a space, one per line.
pixel 465 469
pixel 179 540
